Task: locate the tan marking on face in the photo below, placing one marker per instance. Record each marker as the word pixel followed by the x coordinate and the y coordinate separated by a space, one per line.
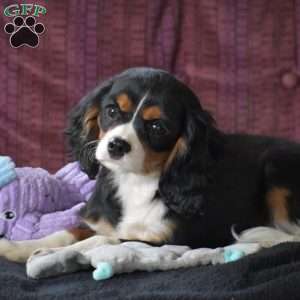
pixel 81 234
pixel 179 149
pixel 154 161
pixel 151 113
pixel 277 199
pixel 125 103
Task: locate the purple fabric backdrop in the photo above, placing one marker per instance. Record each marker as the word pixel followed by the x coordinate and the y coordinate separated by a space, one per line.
pixel 242 57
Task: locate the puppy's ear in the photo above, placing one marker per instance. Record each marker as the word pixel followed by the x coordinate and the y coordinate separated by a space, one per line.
pixel 83 130
pixel 187 172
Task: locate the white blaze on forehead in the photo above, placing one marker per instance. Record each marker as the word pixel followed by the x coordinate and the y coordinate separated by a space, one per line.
pixel 139 107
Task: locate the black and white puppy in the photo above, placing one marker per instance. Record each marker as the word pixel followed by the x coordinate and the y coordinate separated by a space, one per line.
pixel 166 174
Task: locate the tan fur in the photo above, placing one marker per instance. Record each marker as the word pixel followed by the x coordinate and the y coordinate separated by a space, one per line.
pixel 81 246
pixel 125 103
pixel 277 201
pixel 154 161
pixel 151 113
pixel 179 149
pixel 91 123
pixel 81 234
pixel 19 251
pixel 101 226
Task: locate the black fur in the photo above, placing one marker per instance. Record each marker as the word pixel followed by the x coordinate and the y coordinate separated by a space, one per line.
pixel 220 180
pixel 204 145
pixel 103 201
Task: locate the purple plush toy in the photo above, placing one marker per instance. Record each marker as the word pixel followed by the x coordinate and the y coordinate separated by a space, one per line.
pixel 36 203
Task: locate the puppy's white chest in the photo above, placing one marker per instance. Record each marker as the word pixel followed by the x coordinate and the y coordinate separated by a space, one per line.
pixel 142 214
pixel 136 193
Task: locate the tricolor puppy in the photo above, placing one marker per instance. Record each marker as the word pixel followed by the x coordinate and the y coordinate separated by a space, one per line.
pixel 166 174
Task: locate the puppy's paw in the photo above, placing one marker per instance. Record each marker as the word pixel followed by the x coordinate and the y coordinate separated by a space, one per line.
pixel 41 252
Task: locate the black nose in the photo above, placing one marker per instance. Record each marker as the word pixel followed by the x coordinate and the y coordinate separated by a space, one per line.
pixel 118 148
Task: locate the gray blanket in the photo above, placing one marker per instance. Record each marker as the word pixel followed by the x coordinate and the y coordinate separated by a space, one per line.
pixel 110 259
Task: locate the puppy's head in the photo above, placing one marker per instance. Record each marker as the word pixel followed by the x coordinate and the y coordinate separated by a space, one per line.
pixel 145 121
pixel 141 118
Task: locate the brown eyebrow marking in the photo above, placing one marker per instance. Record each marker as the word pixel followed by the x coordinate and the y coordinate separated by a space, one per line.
pixel 151 113
pixel 125 102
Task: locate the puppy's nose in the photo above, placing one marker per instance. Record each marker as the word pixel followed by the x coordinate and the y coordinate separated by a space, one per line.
pixel 118 148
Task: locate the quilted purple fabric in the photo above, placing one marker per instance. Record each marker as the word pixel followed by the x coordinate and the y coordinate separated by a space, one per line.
pixel 37 203
pixel 242 57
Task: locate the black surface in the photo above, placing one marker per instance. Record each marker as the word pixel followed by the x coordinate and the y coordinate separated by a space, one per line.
pixel 271 274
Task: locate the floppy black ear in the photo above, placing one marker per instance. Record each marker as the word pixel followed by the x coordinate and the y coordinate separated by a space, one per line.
pixel 84 127
pixel 188 170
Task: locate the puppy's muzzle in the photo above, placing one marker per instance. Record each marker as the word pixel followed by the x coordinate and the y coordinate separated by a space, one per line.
pixel 117 148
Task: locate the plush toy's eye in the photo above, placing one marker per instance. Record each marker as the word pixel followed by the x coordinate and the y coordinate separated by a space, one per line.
pixel 9 215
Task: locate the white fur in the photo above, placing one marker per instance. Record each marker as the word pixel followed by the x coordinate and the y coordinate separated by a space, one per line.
pixel 143 216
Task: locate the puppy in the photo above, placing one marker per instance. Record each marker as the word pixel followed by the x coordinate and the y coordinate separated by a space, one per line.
pixel 166 174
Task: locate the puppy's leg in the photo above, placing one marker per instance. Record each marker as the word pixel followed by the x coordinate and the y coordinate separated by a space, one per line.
pixel 82 246
pixel 19 251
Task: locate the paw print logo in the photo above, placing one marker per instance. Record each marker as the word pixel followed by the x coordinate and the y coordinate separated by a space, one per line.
pixel 24 32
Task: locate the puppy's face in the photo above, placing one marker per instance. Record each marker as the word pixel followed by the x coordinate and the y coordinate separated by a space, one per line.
pixel 146 121
pixel 141 120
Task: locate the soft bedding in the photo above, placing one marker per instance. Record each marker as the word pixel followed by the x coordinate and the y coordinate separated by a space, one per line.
pixel 270 274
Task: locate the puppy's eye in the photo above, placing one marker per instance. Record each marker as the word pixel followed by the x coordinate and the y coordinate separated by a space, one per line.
pixel 157 128
pixel 113 112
